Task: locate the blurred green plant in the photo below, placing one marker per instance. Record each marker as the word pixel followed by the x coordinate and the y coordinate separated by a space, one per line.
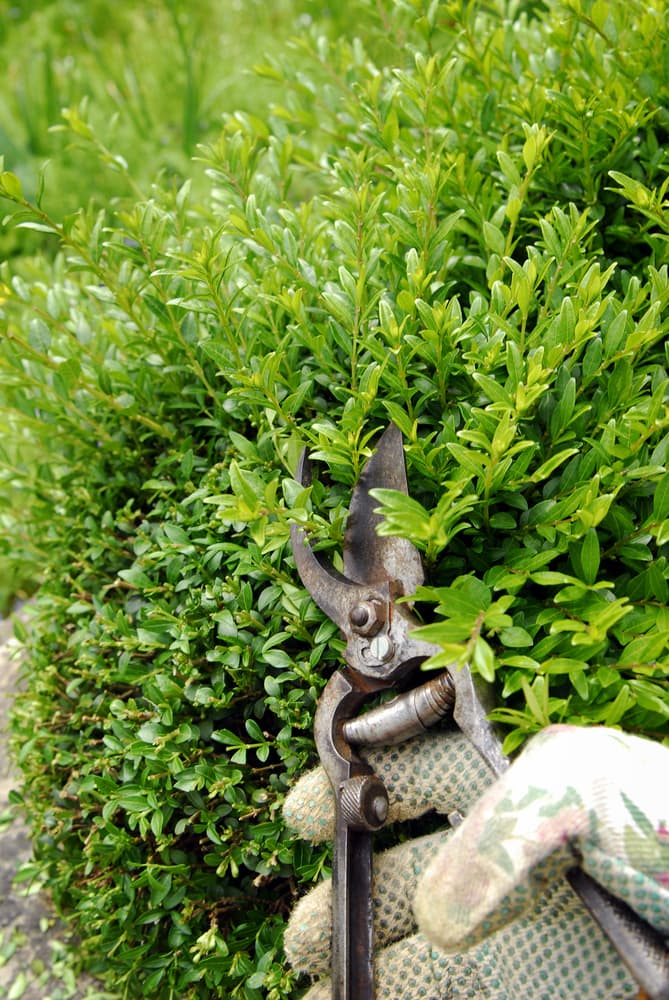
pixel 465 233
pixel 154 80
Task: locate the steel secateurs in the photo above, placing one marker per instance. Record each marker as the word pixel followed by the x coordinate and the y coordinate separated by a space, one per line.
pixel 381 654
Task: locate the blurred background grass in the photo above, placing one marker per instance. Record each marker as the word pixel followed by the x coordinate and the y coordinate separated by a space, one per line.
pixel 154 80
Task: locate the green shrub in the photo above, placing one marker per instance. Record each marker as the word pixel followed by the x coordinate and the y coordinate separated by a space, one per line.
pixel 467 236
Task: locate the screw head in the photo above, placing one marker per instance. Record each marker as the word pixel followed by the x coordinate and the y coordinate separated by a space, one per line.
pixel 381 648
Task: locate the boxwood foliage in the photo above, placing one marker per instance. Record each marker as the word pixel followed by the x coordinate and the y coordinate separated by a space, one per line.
pixel 466 235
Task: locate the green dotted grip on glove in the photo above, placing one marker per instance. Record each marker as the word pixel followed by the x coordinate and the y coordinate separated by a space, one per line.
pixel 508 858
pixel 439 771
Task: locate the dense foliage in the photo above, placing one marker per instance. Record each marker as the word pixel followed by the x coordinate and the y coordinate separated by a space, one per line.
pixel 458 224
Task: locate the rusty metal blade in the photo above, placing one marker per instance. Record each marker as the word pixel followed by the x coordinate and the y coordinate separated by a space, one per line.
pixel 472 718
pixel 368 557
pixel 333 593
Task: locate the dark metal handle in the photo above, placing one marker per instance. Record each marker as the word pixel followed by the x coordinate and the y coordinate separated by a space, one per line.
pixel 352 937
pixel 641 948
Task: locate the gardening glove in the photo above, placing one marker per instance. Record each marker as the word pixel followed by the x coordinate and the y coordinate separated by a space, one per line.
pixel 496 918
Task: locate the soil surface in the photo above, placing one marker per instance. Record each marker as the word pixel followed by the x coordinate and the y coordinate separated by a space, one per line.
pixel 33 962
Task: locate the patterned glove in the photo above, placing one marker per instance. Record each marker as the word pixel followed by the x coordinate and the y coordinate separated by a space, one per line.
pixel 495 918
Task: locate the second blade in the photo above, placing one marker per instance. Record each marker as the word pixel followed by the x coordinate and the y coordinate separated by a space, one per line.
pixel 368 557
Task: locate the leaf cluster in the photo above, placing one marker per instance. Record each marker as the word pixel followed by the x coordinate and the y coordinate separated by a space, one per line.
pixel 460 227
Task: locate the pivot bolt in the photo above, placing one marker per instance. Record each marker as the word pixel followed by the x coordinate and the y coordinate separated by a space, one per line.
pixel 367 617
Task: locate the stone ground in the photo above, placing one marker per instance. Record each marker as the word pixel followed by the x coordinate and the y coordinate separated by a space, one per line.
pixel 34 961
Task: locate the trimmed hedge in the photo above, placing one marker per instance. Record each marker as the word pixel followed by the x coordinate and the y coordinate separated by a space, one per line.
pixel 466 235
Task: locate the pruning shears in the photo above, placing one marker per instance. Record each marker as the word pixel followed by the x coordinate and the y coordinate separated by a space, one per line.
pixel 381 654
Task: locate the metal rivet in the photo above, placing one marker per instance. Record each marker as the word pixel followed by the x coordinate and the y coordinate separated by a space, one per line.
pixel 380 808
pixel 381 647
pixel 359 616
pixel 366 618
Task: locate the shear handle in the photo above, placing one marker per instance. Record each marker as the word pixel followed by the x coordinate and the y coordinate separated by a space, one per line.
pixel 361 806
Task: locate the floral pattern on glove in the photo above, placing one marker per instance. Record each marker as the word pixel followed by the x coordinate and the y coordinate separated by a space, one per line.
pixel 575 795
pixel 647 845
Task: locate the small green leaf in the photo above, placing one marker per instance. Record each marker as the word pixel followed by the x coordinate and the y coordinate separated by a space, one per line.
pixel 590 556
pixel 38 227
pixel 536 696
pixel 563 665
pixel 254 730
pixel 157 821
pixel 645 648
pixel 136 577
pixel 579 680
pixel 515 636
pixel 10 186
pixel 176 534
pixel 661 499
pixel 494 238
pixel 508 167
pixel 651 696
pixel 551 464
pixel 483 659
pixel 18 987
pixel 551 578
